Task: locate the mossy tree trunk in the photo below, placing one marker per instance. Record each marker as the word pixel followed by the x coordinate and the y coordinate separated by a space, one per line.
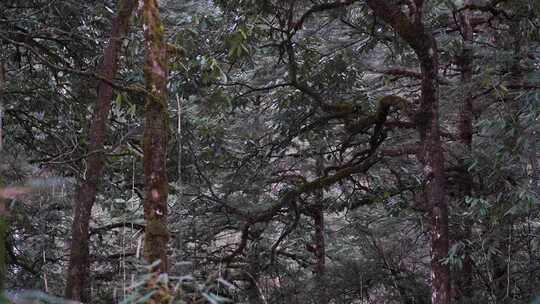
pixel 155 138
pixel 411 29
pixel 87 189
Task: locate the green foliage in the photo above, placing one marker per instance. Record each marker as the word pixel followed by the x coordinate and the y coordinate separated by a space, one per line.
pixel 161 288
pixel 237 44
pixel 247 135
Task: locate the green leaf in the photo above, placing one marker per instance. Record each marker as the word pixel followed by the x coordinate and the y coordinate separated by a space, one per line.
pixel 118 100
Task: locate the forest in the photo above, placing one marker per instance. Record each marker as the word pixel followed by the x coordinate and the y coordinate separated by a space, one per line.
pixel 270 151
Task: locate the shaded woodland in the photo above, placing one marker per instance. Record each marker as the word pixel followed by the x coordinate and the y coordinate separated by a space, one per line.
pixel 270 151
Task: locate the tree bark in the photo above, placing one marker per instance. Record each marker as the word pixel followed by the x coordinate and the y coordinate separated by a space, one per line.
pixel 412 30
pixel 3 241
pixel 3 207
pixel 318 237
pixel 86 192
pixel 535 160
pixel 320 254
pixel 253 274
pixel 3 84
pixel 432 159
pixel 155 138
pixel 466 109
pixel 464 278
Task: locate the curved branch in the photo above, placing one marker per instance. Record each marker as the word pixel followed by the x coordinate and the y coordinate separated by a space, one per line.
pixel 308 187
pixel 116 225
pixel 320 8
pixel 379 117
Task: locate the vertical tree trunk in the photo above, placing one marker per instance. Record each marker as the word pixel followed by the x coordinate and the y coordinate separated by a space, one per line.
pixel 3 85
pixel 3 238
pixel 87 189
pixel 318 237
pixel 155 138
pixel 466 109
pixel 253 292
pixel 3 207
pixel 465 128
pixel 433 161
pixel 320 255
pixel 535 160
pixel 412 30
pixel 253 273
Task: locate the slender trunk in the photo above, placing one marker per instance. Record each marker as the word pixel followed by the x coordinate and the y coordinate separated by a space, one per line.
pixel 535 159
pixel 320 255
pixel 155 138
pixel 433 162
pixel 319 242
pixel 318 237
pixel 464 278
pixel 3 207
pixel 253 292
pixel 466 109
pixel 87 189
pixel 3 84
pixel 3 241
pixel 253 274
pixel 412 30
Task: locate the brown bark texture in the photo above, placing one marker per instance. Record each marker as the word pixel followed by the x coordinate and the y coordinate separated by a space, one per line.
pixel 535 160
pixel 155 138
pixel 86 192
pixel 3 207
pixel 464 278
pixel 412 31
pixel 2 88
pixel 320 266
pixel 320 254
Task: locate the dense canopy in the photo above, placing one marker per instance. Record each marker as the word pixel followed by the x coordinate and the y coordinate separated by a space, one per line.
pixel 270 151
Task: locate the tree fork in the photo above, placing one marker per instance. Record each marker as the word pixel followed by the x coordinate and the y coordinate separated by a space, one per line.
pixel 412 30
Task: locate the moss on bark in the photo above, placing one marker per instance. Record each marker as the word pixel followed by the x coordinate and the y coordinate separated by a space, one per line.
pixel 155 138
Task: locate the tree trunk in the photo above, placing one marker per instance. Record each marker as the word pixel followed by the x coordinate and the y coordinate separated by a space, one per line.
pixel 320 254
pixel 3 207
pixel 412 30
pixel 155 138
pixel 3 84
pixel 87 189
pixel 318 236
pixel 535 159
pixel 466 109
pixel 433 161
pixel 253 292
pixel 253 273
pixel 464 278
pixel 3 241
